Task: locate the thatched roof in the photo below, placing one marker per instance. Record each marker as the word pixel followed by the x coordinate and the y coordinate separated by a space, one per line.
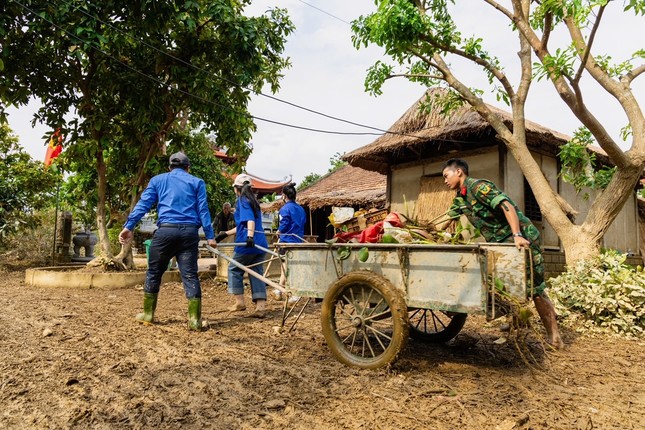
pixel 346 186
pixel 419 135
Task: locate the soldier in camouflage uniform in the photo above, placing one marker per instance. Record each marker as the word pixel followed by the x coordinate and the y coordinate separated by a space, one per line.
pixel 499 220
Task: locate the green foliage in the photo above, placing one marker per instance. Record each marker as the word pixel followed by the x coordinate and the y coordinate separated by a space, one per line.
pixel 638 6
pixel 33 246
pixel 268 198
pixel 377 74
pixel 25 187
pixel 614 70
pixel 336 162
pixel 557 65
pixel 310 179
pixel 604 293
pixel 407 36
pixel 579 164
pixel 441 103
pixel 113 236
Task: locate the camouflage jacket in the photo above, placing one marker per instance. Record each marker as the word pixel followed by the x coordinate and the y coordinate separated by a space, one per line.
pixel 480 200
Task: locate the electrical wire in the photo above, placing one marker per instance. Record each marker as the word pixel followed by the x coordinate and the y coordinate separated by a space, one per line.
pixel 223 78
pixel 325 12
pixel 154 79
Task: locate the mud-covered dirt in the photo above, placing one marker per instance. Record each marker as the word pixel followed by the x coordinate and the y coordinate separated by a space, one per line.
pixel 74 358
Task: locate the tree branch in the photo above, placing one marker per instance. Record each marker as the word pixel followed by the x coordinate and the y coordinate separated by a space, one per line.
pixel 500 75
pixel 572 97
pixel 587 52
pixel 616 89
pixel 525 58
pixel 500 8
pixel 632 74
pixel 548 27
pixel 520 152
pixel 426 60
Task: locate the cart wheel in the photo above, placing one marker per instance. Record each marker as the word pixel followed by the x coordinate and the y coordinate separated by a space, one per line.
pixel 364 320
pixel 428 325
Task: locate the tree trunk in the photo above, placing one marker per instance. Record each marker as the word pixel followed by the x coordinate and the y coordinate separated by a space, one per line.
pixel 101 220
pixel 147 152
pixel 578 244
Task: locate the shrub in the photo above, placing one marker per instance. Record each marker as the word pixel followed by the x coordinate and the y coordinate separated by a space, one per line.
pixel 30 246
pixel 604 293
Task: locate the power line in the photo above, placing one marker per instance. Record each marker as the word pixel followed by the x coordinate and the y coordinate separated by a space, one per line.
pixel 382 131
pixel 220 77
pixel 325 12
pixel 152 78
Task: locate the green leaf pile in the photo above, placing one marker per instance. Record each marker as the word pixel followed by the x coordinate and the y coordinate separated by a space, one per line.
pixel 604 293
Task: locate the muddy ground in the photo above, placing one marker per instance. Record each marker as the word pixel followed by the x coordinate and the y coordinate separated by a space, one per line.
pixel 73 358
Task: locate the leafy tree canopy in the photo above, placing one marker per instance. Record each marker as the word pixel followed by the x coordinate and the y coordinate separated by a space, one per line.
pixel 25 186
pixel 425 44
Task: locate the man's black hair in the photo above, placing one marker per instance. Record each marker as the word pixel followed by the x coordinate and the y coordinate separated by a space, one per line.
pixel 456 163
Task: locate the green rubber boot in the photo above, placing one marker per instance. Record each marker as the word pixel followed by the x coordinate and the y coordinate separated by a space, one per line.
pixel 195 314
pixel 149 306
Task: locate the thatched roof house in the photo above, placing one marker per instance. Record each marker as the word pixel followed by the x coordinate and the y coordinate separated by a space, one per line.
pixel 421 140
pixel 421 134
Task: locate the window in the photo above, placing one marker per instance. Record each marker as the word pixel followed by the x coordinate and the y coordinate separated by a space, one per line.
pixel 531 206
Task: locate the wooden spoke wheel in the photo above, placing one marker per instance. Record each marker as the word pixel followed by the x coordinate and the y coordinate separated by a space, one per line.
pixel 364 320
pixel 428 325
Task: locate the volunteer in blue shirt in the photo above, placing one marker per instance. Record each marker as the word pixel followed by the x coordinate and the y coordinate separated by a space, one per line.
pixel 292 217
pixel 182 209
pixel 248 230
pixel 292 225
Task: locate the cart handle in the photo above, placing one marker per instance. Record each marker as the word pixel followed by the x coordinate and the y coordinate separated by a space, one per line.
pixel 246 269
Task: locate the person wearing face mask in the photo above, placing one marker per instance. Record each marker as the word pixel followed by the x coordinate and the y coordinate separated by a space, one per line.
pixel 248 231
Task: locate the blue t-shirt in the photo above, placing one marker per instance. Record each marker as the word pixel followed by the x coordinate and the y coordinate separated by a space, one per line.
pixel 292 222
pixel 180 199
pixel 244 214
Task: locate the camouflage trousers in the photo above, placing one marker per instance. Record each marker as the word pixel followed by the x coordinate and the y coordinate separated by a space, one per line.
pixel 536 265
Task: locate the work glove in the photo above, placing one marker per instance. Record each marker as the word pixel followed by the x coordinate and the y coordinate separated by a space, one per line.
pixel 250 243
pixel 220 237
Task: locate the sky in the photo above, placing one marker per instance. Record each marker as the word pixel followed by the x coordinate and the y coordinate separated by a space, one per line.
pixel 327 75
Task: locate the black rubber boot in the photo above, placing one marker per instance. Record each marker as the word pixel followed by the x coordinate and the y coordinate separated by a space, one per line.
pixel 149 306
pixel 195 314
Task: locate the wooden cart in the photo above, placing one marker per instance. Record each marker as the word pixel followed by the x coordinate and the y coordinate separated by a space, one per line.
pixel 370 307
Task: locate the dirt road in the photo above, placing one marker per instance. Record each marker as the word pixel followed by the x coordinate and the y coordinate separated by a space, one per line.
pixel 77 359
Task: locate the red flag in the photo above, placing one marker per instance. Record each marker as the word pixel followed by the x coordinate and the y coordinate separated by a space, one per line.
pixel 54 148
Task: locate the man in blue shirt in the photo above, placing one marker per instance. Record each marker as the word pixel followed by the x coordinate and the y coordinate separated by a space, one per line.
pixel 182 209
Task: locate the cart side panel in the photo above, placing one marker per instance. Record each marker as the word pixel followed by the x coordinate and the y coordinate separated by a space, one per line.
pixel 311 272
pixel 449 281
pixel 508 264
